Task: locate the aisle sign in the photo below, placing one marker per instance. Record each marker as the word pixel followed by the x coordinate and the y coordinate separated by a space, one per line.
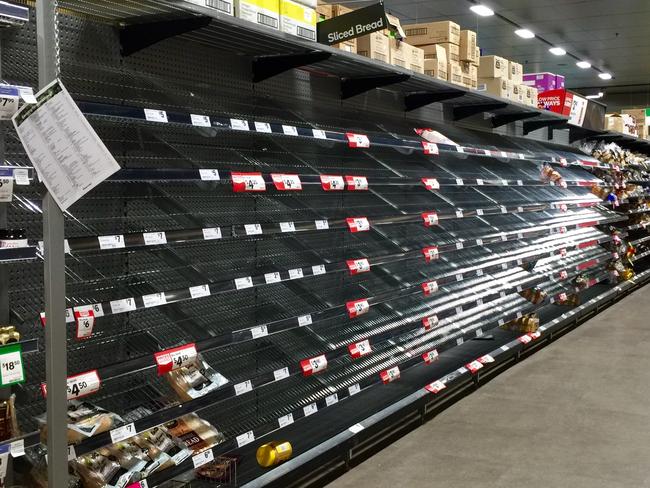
pixel 11 365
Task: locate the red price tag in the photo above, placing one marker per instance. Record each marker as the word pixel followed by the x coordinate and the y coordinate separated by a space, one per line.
pixel 535 335
pixel 435 387
pixel 585 183
pixel 286 182
pixel 430 356
pixel 243 182
pixel 524 339
pixel 85 320
pixel 357 140
pixel 587 264
pixel 430 148
pixel 332 182
pixel 583 245
pixel 358 224
pixel 429 322
pixel 359 349
pixel 485 359
pixel 430 253
pixel 357 266
pixel 474 366
pixel 175 358
pixel 429 287
pixel 356 183
pixel 313 365
pixel 563 162
pixel 357 307
pixel 80 385
pixel 591 223
pixel 389 375
pixel 430 218
pixel 564 208
pixel 563 274
pixel 431 183
pixel 562 252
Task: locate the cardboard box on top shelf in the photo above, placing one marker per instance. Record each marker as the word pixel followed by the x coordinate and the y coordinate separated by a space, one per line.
pixel 297 19
pixel 225 6
pixel 559 81
pixel 433 33
pixel 454 73
pixel 510 87
pixel 493 67
pixel 452 50
pixel 374 46
pixel 642 118
pixel 473 73
pixel 434 51
pixel 530 95
pixel 477 60
pixel 542 81
pixel 515 73
pixel 399 53
pixel 614 122
pixel 261 12
pixel 436 68
pixel 469 74
pixel 493 86
pixel 326 11
pixel 415 61
pixel 467 46
pixel 519 92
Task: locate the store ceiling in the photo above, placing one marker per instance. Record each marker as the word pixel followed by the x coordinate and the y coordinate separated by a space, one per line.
pixel 612 35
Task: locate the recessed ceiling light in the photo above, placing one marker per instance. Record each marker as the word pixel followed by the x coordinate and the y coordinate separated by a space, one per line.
pixel 583 64
pixel 482 10
pixel 525 33
pixel 605 76
pixel 600 95
pixel 558 51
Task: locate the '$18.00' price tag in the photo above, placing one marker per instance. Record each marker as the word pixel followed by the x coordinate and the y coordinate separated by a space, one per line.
pixel 175 358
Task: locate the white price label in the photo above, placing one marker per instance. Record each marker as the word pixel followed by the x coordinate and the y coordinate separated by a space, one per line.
pixel 356 428
pixel 304 320
pixel 263 127
pixel 479 242
pixel 245 282
pixel 238 124
pixel 212 233
pixel 319 269
pixel 354 389
pixel 200 120
pixel 71 453
pixel 209 174
pixel 155 115
pixel 6 189
pixel 503 209
pixel 287 227
pixel 331 399
pixel 245 438
pixel 260 331
pixel 520 183
pixel 154 238
pixel 243 387
pixel 203 458
pixel 285 420
pixel 123 432
pixel 295 274
pixel 520 209
pixel 319 134
pixel 459 277
pixel 459 246
pixel 11 368
pixel 200 291
pixel 310 409
pixel 280 374
pixel 459 214
pixel 479 182
pixel 111 242
pixel 479 272
pixel 21 176
pixel 253 229
pixel 459 341
pixel 289 130
pixel 479 211
pixel 322 224
pixel 124 305
pixel 17 448
pixel 272 277
pixel 459 182
pixel 154 299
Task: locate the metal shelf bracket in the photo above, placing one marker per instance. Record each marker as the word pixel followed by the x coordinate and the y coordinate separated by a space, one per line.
pixel 356 86
pixel 265 67
pixel 415 100
pixel 464 111
pixel 135 37
pixel 532 125
pixel 504 119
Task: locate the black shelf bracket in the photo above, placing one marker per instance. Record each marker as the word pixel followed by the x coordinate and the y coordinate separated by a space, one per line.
pixel 356 86
pixel 135 37
pixel 504 119
pixel 464 111
pixel 265 67
pixel 415 100
pixel 577 133
pixel 532 125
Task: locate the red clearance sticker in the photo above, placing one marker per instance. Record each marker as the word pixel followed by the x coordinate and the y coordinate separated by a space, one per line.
pixel 313 365
pixel 430 253
pixel 582 245
pixel 435 387
pixel 357 307
pixel 431 183
pixel 174 358
pixel 587 264
pixel 430 356
pixel 357 140
pixel 485 359
pixel 430 147
pixel 429 322
pixel 429 287
pixel 591 223
pixel 474 366
pixel 430 218
pixel 586 183
pixel 332 182
pixel 244 182
pixel 286 182
pixel 358 224
pixel 390 374
pixel 357 266
pixel 359 349
pixel 85 320
pixel 356 183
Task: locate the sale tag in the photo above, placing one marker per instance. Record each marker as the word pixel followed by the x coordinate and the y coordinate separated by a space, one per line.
pixel 175 358
pixel 563 207
pixel 431 183
pixel 357 140
pixel 429 322
pixel 154 238
pixel 357 307
pixel 524 339
pixel 111 242
pixel 289 130
pixel 83 384
pixel 430 148
pixel 332 182
pixel 211 233
pixel 356 266
pixel 389 375
pixel 430 253
pixel 485 359
pixel 535 335
pixel 238 124
pixel 200 120
pixel 313 365
pixel 11 365
pixel 310 409
pixel 358 349
pixel 358 224
pixel 202 458
pixel 429 287
pixel 85 320
pixel 355 183
pixel 243 182
pixel 209 174
pixel 245 438
pixel 474 366
pixel 287 227
pixel 199 291
pixel 430 218
pixel 435 387
pixel 563 162
pixel 286 182
pixel 154 299
pixel 155 115
pixel 430 356
pixel 6 189
pixel 263 127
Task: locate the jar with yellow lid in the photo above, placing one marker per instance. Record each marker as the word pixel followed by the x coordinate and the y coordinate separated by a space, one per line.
pixel 273 453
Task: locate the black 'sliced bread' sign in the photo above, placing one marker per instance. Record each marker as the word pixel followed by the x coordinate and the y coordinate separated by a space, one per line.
pixel 354 24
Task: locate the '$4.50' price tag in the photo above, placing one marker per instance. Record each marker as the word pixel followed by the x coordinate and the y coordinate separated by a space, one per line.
pixel 85 320
pixel 81 385
pixel 177 357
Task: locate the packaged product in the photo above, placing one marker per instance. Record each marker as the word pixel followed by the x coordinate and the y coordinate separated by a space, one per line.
pixel 84 420
pixel 8 423
pixel 195 380
pixel 197 434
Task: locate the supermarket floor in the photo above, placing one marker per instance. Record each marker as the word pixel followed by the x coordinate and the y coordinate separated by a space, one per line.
pixel 575 414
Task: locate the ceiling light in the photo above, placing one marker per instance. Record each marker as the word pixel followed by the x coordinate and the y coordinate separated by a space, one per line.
pixel 605 76
pixel 525 33
pixel 558 51
pixel 600 95
pixel 583 64
pixel 482 10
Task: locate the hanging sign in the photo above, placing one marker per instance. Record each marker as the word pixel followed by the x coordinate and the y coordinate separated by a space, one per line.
pixel 354 24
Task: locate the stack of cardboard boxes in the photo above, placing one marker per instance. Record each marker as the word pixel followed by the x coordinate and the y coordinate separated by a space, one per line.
pixel 450 53
pixel 642 121
pixel 544 81
pixel 503 78
pixel 632 121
